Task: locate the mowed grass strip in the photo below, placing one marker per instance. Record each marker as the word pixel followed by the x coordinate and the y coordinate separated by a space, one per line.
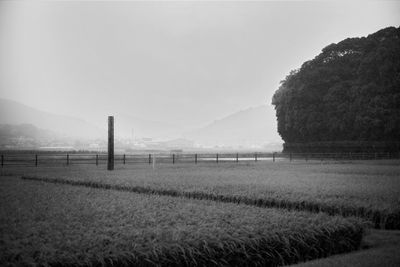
pixel 53 224
pixel 365 189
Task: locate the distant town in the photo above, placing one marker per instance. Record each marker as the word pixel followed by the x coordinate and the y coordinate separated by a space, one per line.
pixel 125 145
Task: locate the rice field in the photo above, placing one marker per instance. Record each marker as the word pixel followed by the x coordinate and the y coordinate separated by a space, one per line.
pixel 47 224
pixel 367 189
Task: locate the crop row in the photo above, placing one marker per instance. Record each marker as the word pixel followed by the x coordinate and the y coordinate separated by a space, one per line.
pixel 366 189
pixel 380 218
pixel 50 224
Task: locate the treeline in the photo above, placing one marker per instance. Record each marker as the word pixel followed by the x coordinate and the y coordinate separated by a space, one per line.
pixel 349 93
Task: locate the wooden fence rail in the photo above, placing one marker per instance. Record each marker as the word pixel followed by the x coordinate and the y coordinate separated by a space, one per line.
pixel 59 159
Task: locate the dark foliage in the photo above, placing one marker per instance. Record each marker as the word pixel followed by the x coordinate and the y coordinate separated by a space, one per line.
pixel 349 92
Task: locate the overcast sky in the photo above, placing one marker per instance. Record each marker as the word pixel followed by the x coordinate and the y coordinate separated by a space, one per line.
pixel 186 63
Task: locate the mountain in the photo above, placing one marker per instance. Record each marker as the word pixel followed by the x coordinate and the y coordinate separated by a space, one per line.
pixel 15 113
pixel 8 131
pixel 125 126
pixel 27 136
pixel 253 127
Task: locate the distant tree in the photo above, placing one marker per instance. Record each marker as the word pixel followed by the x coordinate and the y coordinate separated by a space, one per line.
pixel 350 91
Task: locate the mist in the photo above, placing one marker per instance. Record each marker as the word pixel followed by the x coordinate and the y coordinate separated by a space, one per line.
pixel 165 69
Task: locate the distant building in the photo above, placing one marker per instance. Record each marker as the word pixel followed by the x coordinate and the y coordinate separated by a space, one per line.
pixel 176 151
pixel 56 148
pixel 179 144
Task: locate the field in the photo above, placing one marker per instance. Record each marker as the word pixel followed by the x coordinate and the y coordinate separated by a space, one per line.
pixel 366 189
pixel 242 214
pixel 44 223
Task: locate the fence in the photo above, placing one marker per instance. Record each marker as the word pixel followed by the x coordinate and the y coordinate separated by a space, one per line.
pixel 63 159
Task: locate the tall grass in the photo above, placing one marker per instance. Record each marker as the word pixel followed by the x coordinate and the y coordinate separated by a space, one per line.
pixel 365 190
pixel 49 224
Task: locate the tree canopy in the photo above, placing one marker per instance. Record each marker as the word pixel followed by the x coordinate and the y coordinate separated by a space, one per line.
pixel 349 92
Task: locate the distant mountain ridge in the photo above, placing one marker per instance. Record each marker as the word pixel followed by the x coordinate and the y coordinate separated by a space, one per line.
pixel 249 127
pixel 126 126
pixel 12 112
pixel 8 131
pixel 253 127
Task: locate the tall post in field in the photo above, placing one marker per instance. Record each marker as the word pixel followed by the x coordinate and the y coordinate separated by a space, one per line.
pixel 110 161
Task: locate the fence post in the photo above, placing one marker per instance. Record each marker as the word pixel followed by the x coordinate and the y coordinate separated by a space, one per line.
pixel 149 159
pixel 306 157
pixel 217 158
pixel 173 158
pixel 273 156
pixel 110 159
pixel 36 160
pixel 2 161
pixel 195 158
pixel 255 157
pixel 97 159
pixel 290 157
pixel 237 157
pixel 67 159
pixel 124 159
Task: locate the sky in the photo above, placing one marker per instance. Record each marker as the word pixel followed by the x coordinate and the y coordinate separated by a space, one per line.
pixel 184 63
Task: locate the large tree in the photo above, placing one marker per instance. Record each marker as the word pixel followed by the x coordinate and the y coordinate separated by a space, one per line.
pixel 349 92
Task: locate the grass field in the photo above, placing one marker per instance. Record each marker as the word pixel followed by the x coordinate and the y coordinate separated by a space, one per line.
pixel 367 189
pixel 243 214
pixel 58 224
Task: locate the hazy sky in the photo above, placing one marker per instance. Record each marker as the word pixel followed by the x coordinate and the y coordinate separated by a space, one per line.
pixel 186 63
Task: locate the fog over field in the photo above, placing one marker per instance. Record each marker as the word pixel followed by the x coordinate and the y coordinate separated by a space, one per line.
pixel 165 70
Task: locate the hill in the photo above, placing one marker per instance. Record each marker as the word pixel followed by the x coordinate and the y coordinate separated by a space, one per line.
pixel 253 127
pixel 15 113
pixel 346 98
